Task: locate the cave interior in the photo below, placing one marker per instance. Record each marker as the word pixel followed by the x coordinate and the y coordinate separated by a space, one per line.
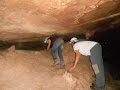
pixel 106 31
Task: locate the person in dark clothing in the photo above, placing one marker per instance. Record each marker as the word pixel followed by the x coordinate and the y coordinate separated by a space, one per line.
pixel 55 44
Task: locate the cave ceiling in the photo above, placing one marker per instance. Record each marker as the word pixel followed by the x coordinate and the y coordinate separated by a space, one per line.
pixel 25 19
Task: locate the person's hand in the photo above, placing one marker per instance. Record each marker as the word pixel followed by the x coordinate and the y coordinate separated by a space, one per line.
pixel 47 48
pixel 71 69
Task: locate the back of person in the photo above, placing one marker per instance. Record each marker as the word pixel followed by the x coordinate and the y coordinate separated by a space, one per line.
pixel 84 47
pixel 53 38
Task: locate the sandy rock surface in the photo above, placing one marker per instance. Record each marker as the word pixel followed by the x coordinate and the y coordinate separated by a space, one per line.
pixel 45 17
pixel 31 70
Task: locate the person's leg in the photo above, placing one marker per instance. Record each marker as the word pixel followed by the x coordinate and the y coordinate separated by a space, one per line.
pixel 55 47
pixel 60 50
pixel 53 50
pixel 53 54
pixel 98 67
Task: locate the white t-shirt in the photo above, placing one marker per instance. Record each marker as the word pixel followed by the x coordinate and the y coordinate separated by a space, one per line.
pixel 84 47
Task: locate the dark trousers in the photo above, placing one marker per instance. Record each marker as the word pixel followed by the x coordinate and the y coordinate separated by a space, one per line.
pixel 97 64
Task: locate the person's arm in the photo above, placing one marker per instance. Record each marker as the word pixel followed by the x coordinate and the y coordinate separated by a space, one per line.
pixel 49 43
pixel 77 57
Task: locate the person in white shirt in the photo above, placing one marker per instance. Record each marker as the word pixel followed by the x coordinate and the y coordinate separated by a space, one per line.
pixel 94 50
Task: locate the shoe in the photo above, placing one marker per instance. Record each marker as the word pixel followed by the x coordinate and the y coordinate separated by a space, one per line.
pixel 55 63
pixel 62 65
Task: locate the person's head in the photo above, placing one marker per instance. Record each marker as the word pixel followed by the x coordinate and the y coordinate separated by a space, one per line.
pixel 46 40
pixel 73 40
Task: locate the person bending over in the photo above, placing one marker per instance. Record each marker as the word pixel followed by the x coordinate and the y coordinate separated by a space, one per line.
pixel 94 50
pixel 55 44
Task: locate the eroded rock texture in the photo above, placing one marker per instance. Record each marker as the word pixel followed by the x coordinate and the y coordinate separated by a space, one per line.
pixel 24 20
pixel 31 70
pixel 47 17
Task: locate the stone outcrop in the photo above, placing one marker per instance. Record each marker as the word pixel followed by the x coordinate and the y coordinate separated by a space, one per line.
pixel 37 18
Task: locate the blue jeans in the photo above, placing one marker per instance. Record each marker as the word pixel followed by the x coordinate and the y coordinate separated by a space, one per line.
pixel 96 59
pixel 57 46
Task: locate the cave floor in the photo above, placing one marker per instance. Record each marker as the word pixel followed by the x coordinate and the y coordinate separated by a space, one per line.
pixel 31 70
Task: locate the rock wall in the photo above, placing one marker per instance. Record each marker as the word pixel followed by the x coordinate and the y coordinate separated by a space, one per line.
pixel 45 16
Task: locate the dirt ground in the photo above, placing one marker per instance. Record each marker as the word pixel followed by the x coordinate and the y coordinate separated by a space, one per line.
pixel 31 70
